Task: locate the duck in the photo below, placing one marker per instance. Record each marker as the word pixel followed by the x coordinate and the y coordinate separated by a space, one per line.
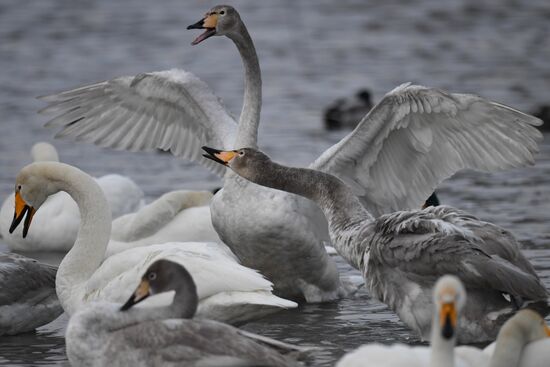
pixel 522 341
pixel 345 113
pixel 227 290
pixel 104 334
pixel 176 216
pixel 402 254
pixel 409 142
pixel 56 226
pixel 27 294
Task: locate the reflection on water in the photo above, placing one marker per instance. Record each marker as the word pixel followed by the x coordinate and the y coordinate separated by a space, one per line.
pixel 311 52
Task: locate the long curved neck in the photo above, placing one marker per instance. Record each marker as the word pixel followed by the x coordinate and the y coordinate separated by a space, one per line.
pixel 343 210
pixel 442 350
pixel 247 132
pixel 93 235
pixel 511 340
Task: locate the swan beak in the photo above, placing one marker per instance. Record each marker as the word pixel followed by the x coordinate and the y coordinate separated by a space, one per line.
pixel 209 23
pixel 22 208
pixel 447 320
pixel 219 156
pixel 142 291
pixel 547 329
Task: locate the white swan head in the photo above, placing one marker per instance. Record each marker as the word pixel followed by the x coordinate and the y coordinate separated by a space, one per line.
pixel 449 299
pixel 33 185
pixel 221 20
pixel 527 324
pixel 44 152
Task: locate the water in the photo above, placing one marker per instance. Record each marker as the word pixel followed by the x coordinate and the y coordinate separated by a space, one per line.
pixel 311 52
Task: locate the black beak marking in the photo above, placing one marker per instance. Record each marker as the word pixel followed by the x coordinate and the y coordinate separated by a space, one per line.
pixel 17 219
pixel 448 331
pixel 211 155
pixel 198 25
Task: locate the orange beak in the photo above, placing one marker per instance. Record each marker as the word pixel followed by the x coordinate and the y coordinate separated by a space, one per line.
pixel 219 156
pixel 141 292
pixel 447 320
pixel 22 208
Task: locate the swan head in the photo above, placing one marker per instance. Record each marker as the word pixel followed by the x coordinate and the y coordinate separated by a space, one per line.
pixel 527 325
pixel 221 20
pixel 449 299
pixel 44 152
pixel 33 185
pixel 164 276
pixel 246 162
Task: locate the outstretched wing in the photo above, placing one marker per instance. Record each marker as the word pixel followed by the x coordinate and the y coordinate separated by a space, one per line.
pixel 170 110
pixel 418 136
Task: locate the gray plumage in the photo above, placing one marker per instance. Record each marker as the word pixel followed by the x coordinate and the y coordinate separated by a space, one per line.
pixel 102 334
pixel 402 254
pixel 27 294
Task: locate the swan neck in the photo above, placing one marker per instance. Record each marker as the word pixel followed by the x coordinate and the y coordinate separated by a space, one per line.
pixel 88 251
pixel 508 348
pixel 342 209
pixel 442 349
pixel 247 132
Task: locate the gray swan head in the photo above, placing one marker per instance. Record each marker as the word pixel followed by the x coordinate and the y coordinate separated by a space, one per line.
pixel 247 162
pixel 164 276
pixel 221 20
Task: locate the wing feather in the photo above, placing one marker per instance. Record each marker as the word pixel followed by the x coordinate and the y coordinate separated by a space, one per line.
pixel 417 136
pixel 170 110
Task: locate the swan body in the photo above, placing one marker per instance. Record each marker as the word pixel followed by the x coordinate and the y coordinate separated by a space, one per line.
pixel 106 334
pixel 414 138
pixel 56 225
pixel 401 254
pixel 27 294
pixel 174 217
pixel 228 291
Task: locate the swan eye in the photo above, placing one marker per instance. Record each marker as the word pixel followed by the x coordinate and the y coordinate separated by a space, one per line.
pixel 241 153
pixel 18 187
pixel 152 276
pixel 222 12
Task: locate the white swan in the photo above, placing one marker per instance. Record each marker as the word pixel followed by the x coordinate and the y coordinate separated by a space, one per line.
pixel 110 335
pixel 174 217
pixel 227 290
pixel 449 297
pixel 404 147
pixel 27 294
pixel 403 253
pixel 56 225
pixel 523 341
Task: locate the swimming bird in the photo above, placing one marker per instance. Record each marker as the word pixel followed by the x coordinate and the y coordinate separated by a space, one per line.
pixel 449 298
pixel 227 290
pixel 523 341
pixel 403 253
pixel 176 216
pixel 27 294
pixel 111 335
pixel 56 225
pixel 414 138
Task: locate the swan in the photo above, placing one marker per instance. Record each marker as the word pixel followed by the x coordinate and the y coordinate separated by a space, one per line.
pixel 414 138
pixel 176 216
pixel 56 225
pixel 227 290
pixel 110 335
pixel 27 294
pixel 402 254
pixel 522 340
pixel 449 298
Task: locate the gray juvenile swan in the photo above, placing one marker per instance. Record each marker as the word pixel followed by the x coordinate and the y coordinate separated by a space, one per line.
pixel 27 294
pixel 402 254
pixel 110 335
pixel 403 148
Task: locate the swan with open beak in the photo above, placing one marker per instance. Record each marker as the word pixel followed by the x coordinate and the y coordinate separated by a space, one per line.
pixel 22 210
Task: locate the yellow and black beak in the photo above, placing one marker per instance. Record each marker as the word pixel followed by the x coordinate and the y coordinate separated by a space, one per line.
pixel 22 210
pixel 547 329
pixel 219 156
pixel 447 320
pixel 209 22
pixel 142 291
